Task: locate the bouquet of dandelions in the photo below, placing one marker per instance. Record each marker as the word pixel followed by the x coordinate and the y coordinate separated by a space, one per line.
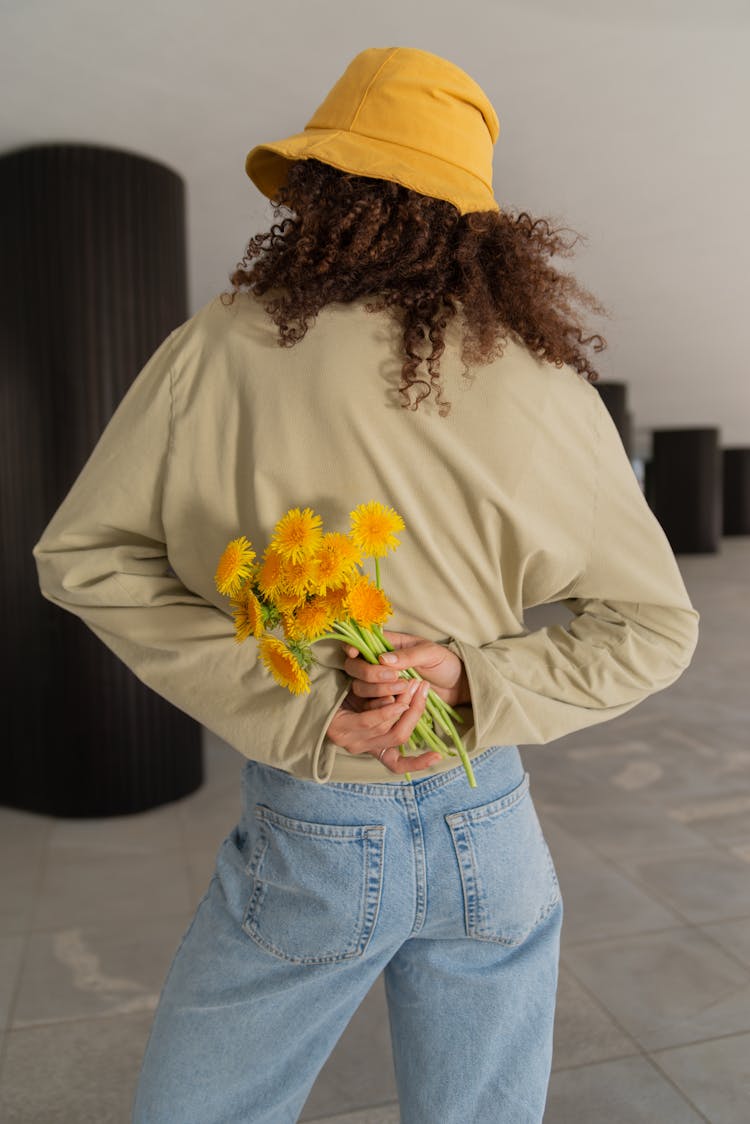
pixel 311 585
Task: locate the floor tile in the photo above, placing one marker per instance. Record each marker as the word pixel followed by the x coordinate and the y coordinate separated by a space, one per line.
pixel 557 782
pixel 94 970
pixel 600 901
pixel 715 1075
pixel 205 824
pixel 200 868
pixel 19 879
pixel 144 833
pixel 666 989
pixel 23 835
pixel 206 816
pixel 112 887
pixel 627 827
pixel 222 763
pixel 627 1091
pixel 723 818
pixel 740 849
pixel 80 1072
pixel 732 935
pixel 707 885
pixel 11 957
pixel 584 1032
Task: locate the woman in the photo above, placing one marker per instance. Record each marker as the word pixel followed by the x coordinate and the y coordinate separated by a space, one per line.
pixel 394 277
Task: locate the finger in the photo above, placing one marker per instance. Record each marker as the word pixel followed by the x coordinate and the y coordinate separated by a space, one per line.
pixel 375 704
pixel 384 718
pixel 370 719
pixel 389 689
pixel 421 653
pixel 358 705
pixel 404 725
pixel 394 760
pixel 401 639
pixel 360 668
pixel 396 721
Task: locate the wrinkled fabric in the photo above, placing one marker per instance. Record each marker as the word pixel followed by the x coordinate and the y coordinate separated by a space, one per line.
pixel 523 495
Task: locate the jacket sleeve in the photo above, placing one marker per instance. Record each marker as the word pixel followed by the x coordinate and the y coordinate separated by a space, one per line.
pixel 104 557
pixel 633 633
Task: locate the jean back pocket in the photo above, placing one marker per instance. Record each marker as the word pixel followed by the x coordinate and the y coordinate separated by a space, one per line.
pixel 507 874
pixel 316 888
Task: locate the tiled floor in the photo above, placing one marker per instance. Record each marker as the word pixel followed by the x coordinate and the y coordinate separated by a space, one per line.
pixel 648 820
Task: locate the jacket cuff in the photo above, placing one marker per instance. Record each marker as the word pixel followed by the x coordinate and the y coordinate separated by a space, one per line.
pixel 324 747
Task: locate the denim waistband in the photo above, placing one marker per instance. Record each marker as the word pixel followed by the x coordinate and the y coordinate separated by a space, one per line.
pixel 390 790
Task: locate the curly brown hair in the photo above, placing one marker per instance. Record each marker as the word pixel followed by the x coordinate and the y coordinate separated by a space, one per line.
pixel 351 236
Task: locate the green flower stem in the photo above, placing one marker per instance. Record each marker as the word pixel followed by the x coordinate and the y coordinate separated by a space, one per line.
pixel 428 735
pixel 373 638
pixel 370 643
pixel 357 637
pixel 438 709
pixel 432 706
pixel 423 735
pixel 461 751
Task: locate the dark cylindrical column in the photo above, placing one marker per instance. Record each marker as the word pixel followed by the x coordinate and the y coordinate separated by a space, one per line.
pixel 615 396
pixel 736 472
pixel 93 280
pixel 685 488
pixel 648 482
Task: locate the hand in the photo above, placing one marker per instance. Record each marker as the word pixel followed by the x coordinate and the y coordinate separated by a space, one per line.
pixel 379 684
pixel 383 725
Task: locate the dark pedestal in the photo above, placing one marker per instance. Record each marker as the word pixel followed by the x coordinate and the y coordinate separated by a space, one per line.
pixel 684 488
pixel 93 249
pixel 736 472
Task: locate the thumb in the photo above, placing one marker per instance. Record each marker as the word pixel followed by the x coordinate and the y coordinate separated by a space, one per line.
pixel 408 655
pixel 401 639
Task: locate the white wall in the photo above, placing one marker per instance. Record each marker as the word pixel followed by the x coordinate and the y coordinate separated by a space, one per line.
pixel 626 121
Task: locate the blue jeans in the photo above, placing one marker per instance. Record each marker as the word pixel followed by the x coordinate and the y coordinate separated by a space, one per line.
pixel 448 890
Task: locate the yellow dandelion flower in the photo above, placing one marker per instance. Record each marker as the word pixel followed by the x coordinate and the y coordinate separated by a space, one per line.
pixel 287 602
pixel 270 573
pixel 336 558
pixel 283 666
pixel 299 577
pixel 288 626
pixel 312 619
pixel 297 534
pixel 248 616
pixel 367 604
pixel 235 564
pixel 373 527
pixel 335 598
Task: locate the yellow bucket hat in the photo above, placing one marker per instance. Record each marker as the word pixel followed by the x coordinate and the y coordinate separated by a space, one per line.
pixel 402 114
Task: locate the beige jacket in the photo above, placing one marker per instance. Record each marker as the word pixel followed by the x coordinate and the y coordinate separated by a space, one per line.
pixel 522 496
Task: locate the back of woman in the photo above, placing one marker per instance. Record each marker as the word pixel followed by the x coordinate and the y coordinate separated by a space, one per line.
pixel 396 337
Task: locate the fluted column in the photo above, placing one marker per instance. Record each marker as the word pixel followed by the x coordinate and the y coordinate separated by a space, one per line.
pixel 685 487
pixel 93 279
pixel 615 398
pixel 736 475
